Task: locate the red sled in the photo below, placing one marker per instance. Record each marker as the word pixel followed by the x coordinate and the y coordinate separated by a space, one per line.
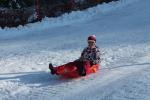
pixel 72 72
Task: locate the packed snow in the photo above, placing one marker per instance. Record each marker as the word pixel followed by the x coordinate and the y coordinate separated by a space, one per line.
pixel 123 34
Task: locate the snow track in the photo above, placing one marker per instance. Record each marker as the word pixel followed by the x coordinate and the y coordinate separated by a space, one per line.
pixel 40 84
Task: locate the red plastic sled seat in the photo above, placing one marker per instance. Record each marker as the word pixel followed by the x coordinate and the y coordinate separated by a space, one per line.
pixel 71 72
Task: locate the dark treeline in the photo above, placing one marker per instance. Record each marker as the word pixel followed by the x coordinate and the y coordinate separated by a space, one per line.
pixel 21 12
pixel 17 4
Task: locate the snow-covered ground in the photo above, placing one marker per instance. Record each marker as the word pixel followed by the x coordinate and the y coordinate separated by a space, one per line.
pixel 123 34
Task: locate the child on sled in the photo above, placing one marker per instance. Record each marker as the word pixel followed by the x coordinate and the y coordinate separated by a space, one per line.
pixel 90 56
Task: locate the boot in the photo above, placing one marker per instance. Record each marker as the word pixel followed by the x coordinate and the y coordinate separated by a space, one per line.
pixel 52 69
pixel 82 71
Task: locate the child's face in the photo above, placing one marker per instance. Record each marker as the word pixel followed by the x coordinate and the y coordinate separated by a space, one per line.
pixel 91 43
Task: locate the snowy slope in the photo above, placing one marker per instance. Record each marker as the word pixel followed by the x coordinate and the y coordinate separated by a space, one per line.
pixel 123 34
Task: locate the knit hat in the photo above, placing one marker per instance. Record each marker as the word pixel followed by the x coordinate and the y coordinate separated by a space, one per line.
pixel 92 37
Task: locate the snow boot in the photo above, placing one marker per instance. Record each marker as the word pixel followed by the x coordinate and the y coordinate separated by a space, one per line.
pixel 82 71
pixel 52 69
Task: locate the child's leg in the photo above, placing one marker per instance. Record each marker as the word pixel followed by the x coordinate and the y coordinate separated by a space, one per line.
pixel 60 70
pixel 83 66
pixel 87 66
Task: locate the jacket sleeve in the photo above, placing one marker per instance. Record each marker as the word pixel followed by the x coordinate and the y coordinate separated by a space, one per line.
pixel 96 59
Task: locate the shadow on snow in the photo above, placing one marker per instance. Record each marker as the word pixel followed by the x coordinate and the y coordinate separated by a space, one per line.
pixel 30 78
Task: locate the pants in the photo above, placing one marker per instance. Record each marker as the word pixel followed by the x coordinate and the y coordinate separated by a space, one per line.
pixel 80 66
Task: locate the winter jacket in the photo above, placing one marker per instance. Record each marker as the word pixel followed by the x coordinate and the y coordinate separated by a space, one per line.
pixel 92 55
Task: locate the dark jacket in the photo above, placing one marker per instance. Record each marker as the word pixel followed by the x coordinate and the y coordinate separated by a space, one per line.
pixel 92 55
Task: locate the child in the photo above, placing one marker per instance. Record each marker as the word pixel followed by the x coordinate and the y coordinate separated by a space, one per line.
pixel 90 56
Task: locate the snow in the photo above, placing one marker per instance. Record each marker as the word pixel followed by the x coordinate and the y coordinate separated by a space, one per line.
pixel 123 34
